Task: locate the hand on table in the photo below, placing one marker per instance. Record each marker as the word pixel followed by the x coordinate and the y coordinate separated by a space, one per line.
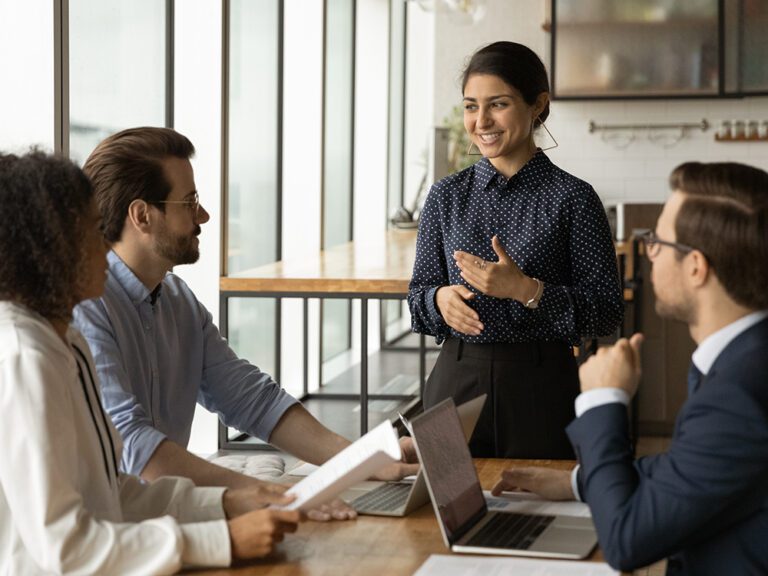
pixel 335 510
pixel 545 482
pixel 616 366
pixel 501 279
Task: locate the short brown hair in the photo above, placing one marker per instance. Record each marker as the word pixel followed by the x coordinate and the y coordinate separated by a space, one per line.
pixel 127 166
pixel 725 216
pixel 44 202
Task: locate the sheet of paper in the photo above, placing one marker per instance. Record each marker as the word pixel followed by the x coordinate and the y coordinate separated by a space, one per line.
pixel 443 565
pixel 354 464
pixel 532 504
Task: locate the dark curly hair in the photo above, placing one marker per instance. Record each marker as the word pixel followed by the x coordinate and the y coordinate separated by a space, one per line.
pixel 44 201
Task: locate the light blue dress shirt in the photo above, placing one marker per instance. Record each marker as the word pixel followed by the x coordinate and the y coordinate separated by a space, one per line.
pixel 155 361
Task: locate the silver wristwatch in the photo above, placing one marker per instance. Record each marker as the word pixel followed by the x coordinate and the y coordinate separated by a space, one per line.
pixel 534 302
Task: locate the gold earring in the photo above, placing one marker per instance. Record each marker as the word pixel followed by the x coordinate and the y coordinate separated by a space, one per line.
pixel 469 150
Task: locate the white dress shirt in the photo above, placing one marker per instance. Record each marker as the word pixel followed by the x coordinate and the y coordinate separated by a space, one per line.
pixel 64 506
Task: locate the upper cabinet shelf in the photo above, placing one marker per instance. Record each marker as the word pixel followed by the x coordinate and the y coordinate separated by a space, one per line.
pixel 659 48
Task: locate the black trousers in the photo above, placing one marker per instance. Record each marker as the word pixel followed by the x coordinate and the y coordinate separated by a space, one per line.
pixel 531 389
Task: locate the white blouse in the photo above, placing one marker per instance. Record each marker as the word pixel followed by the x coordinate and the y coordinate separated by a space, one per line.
pixel 64 506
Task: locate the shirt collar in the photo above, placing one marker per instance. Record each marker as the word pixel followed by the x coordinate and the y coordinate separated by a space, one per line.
pixel 135 289
pixel 528 178
pixel 711 347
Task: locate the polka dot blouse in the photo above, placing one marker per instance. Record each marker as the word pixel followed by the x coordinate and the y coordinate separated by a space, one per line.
pixel 550 223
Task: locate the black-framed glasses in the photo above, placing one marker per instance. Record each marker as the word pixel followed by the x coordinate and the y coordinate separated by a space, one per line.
pixel 653 245
pixel 193 203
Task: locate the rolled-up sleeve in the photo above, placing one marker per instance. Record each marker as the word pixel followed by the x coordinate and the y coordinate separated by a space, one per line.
pixel 243 396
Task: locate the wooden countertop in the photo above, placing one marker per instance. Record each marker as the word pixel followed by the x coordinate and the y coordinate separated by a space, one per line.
pixel 378 268
pixel 383 268
pixel 371 545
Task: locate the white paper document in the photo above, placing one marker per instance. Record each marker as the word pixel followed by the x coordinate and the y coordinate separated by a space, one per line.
pixel 354 464
pixel 443 565
pixel 525 502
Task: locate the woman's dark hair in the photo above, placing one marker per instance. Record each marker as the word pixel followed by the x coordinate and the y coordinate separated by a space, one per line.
pixel 128 166
pixel 517 65
pixel 44 201
pixel 725 216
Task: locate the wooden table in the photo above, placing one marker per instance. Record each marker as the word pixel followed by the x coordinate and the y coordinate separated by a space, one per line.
pixel 371 545
pixel 378 270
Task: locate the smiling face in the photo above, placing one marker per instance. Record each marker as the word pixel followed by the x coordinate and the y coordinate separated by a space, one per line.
pixel 499 122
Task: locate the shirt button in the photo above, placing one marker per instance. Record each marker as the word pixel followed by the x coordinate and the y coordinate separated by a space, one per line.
pixel 146 326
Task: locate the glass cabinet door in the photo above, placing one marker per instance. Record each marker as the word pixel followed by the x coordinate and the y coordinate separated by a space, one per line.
pixel 635 48
pixel 754 46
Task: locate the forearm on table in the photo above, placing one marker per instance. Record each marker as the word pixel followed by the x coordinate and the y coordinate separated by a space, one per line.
pixel 302 435
pixel 170 459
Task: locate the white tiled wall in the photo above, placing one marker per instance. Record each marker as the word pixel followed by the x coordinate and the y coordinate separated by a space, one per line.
pixel 620 171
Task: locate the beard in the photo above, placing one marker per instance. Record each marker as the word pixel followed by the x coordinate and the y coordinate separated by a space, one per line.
pixel 682 310
pixel 181 249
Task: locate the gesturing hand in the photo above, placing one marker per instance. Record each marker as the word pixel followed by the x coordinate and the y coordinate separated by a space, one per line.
pixel 616 366
pixel 547 483
pixel 501 279
pixel 451 302
pixel 255 534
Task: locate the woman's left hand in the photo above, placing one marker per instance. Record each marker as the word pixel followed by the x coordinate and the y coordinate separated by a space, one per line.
pixel 502 279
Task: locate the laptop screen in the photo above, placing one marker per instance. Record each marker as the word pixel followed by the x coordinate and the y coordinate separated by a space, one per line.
pixel 449 468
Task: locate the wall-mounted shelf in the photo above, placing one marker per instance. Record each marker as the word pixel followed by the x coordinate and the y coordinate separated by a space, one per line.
pixel 703 126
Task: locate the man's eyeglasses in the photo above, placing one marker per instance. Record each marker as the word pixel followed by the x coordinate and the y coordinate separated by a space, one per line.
pixel 193 203
pixel 653 245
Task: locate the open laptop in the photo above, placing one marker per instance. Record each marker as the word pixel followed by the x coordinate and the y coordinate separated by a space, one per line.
pixel 401 498
pixel 461 510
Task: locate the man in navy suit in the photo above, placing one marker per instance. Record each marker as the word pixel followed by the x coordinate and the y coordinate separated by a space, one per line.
pixel 704 503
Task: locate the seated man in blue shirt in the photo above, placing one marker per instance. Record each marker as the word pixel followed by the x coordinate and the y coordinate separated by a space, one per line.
pixel 156 348
pixel 704 503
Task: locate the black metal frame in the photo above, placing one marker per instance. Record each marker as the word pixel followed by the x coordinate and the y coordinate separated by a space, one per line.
pixel 364 396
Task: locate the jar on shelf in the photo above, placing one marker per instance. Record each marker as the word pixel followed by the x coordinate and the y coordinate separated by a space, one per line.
pixel 724 132
pixel 738 129
pixel 752 129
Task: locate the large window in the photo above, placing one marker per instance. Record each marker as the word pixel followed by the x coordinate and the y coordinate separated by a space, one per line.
pixel 27 72
pixel 338 146
pixel 117 69
pixel 253 166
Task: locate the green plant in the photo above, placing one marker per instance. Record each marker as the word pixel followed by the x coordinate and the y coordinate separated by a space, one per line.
pixel 459 141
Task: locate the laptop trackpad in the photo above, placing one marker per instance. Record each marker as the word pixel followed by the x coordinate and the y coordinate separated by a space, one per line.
pixel 567 535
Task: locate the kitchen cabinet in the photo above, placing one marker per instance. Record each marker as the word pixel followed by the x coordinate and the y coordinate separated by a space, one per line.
pixel 658 48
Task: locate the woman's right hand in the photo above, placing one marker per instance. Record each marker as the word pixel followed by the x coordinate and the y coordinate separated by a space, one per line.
pixel 451 301
pixel 255 534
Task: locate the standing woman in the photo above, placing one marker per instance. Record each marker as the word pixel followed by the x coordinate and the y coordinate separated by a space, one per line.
pixel 64 506
pixel 514 266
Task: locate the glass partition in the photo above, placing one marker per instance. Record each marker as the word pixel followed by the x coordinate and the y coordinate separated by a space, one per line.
pixel 117 69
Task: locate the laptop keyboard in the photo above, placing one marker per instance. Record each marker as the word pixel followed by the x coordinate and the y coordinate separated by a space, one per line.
pixel 505 530
pixel 387 497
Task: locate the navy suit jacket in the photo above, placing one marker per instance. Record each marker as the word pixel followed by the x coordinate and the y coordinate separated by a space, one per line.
pixel 704 503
